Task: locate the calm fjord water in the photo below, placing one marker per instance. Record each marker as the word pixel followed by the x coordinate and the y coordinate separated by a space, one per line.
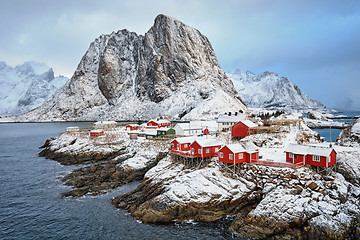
pixel 31 206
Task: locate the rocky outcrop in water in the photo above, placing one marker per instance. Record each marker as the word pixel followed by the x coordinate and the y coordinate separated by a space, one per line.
pixel 109 164
pixel 172 70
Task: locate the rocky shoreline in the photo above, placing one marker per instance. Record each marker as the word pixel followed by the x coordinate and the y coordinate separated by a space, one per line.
pixel 264 202
pixel 101 165
pixel 271 203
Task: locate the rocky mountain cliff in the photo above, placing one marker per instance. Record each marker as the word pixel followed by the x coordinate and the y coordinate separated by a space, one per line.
pixel 26 86
pixel 172 71
pixel 268 90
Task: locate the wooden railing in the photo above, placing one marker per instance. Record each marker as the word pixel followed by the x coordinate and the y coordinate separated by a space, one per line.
pixel 182 153
pixel 277 164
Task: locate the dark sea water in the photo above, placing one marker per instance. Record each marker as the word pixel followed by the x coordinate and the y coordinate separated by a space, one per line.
pixel 31 206
pixel 335 132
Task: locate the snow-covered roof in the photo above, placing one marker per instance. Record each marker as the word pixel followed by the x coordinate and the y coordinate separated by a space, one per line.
pixel 97 131
pixel 308 150
pixel 160 121
pixel 196 125
pixel 243 146
pixel 249 123
pixel 232 118
pixel 248 145
pixel 235 148
pixel 164 129
pixel 182 140
pixel 207 142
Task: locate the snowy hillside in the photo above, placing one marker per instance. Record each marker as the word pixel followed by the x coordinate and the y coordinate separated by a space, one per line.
pixel 26 87
pixel 172 70
pixel 268 90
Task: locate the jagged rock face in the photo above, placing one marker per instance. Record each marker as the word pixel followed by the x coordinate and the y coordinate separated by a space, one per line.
pixel 26 86
pixel 172 70
pixel 268 90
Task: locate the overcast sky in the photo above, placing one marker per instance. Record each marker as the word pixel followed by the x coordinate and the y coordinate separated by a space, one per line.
pixel 316 44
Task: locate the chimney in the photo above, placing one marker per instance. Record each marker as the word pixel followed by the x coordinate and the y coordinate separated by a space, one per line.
pixel 229 113
pixel 235 113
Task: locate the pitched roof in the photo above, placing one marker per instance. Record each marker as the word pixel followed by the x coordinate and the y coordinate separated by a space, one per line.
pixel 207 142
pixel 308 150
pixel 249 123
pixel 231 118
pixel 242 146
pixel 160 121
pixel 195 125
pixel 182 140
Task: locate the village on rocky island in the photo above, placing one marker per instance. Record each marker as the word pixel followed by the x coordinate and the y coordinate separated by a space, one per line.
pixel 273 175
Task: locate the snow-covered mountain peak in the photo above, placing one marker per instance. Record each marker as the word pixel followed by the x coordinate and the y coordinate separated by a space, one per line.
pixel 172 70
pixel 269 90
pixel 26 86
pixel 33 67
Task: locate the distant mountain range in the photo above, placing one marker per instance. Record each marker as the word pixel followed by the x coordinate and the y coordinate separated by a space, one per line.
pixel 268 90
pixel 26 87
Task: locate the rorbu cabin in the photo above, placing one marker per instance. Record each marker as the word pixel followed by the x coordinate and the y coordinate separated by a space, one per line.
pixel 132 127
pixel 182 143
pixel 96 133
pixel 155 124
pixel 205 147
pixel 312 155
pixel 239 153
pixel 243 129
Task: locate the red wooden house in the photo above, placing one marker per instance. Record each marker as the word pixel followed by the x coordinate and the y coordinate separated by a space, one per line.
pixel 243 129
pixel 155 124
pixel 96 133
pixel 132 127
pixel 204 147
pixel 182 144
pixel 238 153
pixel 312 155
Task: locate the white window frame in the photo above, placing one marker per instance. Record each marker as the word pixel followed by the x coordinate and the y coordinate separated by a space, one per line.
pixel 241 155
pixel 192 151
pixel 207 150
pixel 316 158
pixel 291 155
pixel 221 155
pixel 329 159
pixel 178 146
pixel 231 156
pixel 186 145
pixel 172 145
pixel 199 151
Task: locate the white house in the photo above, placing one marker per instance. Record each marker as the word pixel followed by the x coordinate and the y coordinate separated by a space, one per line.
pixel 194 128
pixel 226 121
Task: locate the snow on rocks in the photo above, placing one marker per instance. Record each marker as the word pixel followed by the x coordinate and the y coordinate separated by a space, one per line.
pixel 350 136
